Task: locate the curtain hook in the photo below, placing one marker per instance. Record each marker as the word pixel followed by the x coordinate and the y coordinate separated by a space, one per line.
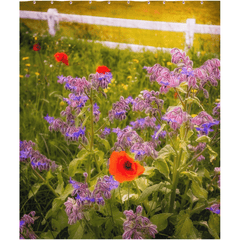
pixel 183 2
pixel 70 2
pixel 148 2
pixel 163 2
pixel 201 2
pixel 128 1
pixel 109 2
pixel 34 2
pixel 51 2
pixel 90 2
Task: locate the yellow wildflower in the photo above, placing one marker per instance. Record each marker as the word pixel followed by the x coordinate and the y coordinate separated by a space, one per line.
pixel 135 60
pixel 156 55
pixel 193 115
pixel 105 90
pixel 28 65
pixel 164 59
pixel 203 52
pixel 113 79
pixel 130 77
pixel 125 87
pixel 194 90
pixel 21 76
pixel 25 58
pixel 26 69
pixel 179 70
pixel 37 73
pixel 35 38
pixel 169 63
pixel 217 100
pixel 62 103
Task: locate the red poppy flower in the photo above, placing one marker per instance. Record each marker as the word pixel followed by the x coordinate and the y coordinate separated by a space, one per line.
pixel 61 57
pixel 36 47
pixel 123 167
pixel 102 69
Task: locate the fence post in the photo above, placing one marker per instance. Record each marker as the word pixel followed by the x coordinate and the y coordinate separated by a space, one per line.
pixel 190 32
pixel 53 21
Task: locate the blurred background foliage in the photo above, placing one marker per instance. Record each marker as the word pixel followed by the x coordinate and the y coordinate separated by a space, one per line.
pixel 174 11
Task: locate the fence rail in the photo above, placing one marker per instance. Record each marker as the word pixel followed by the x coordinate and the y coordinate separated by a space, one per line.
pixel 190 27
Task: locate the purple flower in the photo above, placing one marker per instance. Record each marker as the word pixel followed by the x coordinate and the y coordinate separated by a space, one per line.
pixel 136 226
pixel 36 159
pixel 49 119
pixel 146 100
pixel 206 128
pixel 215 208
pixel 105 132
pixel 175 117
pixel 85 198
pixel 25 226
pixel 119 109
pixel 144 123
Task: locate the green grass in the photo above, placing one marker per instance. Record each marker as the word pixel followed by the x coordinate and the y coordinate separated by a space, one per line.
pixel 39 95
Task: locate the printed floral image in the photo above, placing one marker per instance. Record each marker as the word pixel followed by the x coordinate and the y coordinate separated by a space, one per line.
pixel 120 120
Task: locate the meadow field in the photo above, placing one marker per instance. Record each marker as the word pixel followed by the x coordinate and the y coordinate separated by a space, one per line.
pixel 116 144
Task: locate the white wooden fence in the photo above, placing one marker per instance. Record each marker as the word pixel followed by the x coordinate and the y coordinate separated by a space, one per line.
pixel 190 27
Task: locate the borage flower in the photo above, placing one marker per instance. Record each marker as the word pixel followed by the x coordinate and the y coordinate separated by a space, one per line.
pixel 137 226
pixel 61 57
pixel 123 167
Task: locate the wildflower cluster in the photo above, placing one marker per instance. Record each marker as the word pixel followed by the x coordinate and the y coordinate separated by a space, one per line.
pixel 175 117
pixel 205 122
pixel 136 226
pixel 37 160
pixel 86 199
pixel 25 227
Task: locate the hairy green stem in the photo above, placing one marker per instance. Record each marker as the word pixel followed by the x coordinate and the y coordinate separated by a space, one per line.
pixel 45 182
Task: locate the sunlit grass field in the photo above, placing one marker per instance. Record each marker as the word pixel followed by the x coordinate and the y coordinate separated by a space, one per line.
pixel 207 13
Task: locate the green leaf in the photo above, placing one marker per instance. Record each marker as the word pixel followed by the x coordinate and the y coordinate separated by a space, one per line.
pixel 103 141
pixel 166 151
pixel 99 156
pixel 147 192
pixel 117 216
pixel 149 171
pixel 49 235
pixel 85 121
pixel 56 205
pixel 160 220
pixel 84 109
pixel 162 167
pixel 193 176
pixel 96 220
pixel 142 183
pixel 61 221
pixel 60 185
pixel 74 163
pixel 194 100
pixel 49 175
pixel 68 190
pixel 198 191
pixel 76 230
pixel 203 138
pixel 214 225
pixel 181 90
pixel 184 227
pixel 213 154
pixel 49 214
pixel 34 189
pixel 191 196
